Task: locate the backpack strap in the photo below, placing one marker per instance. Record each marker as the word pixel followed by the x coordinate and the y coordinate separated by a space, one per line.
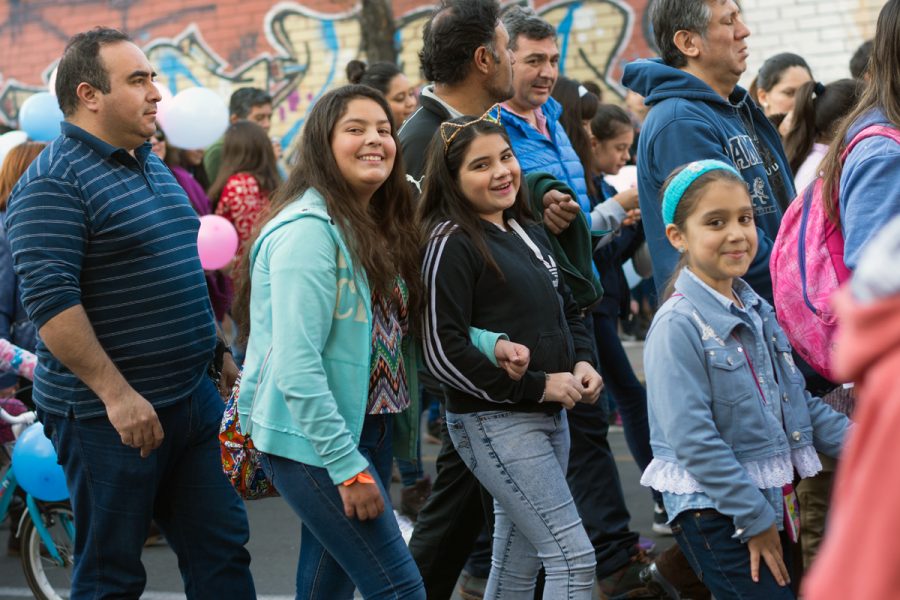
pixel 870 131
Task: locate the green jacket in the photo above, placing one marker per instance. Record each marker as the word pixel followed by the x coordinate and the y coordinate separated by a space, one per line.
pixel 573 249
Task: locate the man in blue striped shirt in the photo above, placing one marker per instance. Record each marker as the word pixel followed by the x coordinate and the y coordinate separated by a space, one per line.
pixel 105 244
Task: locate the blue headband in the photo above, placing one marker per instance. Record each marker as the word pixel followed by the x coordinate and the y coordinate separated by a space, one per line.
pixel 683 181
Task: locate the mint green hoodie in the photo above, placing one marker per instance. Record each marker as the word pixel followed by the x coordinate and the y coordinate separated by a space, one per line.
pixel 305 384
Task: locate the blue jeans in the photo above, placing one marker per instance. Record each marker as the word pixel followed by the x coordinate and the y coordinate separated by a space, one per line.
pixel 520 458
pixel 338 554
pixel 723 563
pixel 116 493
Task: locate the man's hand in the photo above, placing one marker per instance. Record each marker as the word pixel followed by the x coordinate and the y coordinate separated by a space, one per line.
pixel 71 339
pixel 136 421
pixel 768 546
pixel 559 211
pixel 512 358
pixel 361 500
pixel 229 375
pixel 590 380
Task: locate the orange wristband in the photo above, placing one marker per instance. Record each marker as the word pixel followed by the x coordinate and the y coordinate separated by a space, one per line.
pixel 360 478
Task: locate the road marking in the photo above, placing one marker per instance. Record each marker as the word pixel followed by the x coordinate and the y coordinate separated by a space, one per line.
pixel 11 592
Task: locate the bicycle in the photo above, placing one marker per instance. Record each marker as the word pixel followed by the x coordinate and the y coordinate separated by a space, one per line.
pixel 46 530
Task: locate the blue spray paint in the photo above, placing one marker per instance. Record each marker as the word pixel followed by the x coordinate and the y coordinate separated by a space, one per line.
pixel 563 32
pixel 329 36
pixel 172 67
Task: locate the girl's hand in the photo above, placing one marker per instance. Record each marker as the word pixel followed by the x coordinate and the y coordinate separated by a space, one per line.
pixel 628 199
pixel 512 358
pixel 768 545
pixel 563 388
pixel 361 500
pixel 590 380
pixel 632 217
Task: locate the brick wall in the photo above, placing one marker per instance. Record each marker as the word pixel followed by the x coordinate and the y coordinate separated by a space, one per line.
pixel 824 32
pixel 298 50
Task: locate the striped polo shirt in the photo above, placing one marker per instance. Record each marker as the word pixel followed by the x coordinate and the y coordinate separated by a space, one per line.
pixel 90 224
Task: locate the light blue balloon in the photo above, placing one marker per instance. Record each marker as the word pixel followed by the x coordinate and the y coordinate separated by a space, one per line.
pixel 34 464
pixel 40 117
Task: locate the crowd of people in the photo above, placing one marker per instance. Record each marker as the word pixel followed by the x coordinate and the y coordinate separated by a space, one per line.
pixel 459 251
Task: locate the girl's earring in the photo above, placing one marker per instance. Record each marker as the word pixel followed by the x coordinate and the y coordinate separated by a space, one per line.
pixel 682 249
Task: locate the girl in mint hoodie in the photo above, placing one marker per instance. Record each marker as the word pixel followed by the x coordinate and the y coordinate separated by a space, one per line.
pixel 330 288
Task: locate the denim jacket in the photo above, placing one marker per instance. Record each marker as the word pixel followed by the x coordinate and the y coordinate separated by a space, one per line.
pixel 716 442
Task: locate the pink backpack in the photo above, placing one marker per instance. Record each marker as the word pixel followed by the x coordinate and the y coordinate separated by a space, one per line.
pixel 807 267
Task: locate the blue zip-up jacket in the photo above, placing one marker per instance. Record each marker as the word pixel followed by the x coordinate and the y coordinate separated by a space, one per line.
pixel 305 383
pixel 870 186
pixel 716 442
pixel 537 153
pixel 689 121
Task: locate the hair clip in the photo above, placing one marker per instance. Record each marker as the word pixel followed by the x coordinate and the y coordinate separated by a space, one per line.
pixel 449 130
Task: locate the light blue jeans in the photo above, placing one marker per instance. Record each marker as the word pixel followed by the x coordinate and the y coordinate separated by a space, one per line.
pixel 521 459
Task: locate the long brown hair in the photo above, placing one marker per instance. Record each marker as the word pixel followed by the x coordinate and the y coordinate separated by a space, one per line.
pixel 175 157
pixel 14 165
pixel 382 237
pixel 246 149
pixel 882 91
pixel 442 197
pixel 578 108
pixel 817 111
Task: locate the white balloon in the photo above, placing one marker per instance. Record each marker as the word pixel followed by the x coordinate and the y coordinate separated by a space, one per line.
pixel 625 179
pixel 164 104
pixel 196 118
pixel 10 140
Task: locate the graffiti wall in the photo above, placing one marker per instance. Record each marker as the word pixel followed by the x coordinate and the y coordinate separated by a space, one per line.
pixel 296 51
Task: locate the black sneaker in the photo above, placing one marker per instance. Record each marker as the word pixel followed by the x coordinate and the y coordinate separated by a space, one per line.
pixel 660 518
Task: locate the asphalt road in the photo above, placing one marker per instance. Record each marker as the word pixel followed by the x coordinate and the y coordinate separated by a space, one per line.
pixel 275 535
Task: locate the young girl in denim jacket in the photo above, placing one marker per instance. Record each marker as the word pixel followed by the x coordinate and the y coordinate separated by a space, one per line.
pixel 730 419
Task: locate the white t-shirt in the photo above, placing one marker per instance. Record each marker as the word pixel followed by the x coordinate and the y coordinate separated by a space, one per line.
pixel 809 170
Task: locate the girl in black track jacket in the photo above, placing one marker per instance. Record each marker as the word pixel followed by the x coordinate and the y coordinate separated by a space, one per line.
pixel 488 266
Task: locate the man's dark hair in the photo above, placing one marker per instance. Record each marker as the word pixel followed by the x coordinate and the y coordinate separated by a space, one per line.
pixel 81 62
pixel 243 100
pixel 456 29
pixel 523 21
pixel 667 17
pixel 859 62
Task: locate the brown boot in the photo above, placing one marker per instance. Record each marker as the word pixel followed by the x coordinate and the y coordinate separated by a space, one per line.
pixel 413 497
pixel 674 568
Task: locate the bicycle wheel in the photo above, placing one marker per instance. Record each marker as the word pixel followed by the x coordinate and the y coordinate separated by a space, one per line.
pixel 48 579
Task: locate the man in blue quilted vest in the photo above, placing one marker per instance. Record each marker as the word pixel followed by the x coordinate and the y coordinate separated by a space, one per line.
pixel 531 118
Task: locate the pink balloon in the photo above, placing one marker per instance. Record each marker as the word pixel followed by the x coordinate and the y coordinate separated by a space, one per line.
pixel 163 105
pixel 217 242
